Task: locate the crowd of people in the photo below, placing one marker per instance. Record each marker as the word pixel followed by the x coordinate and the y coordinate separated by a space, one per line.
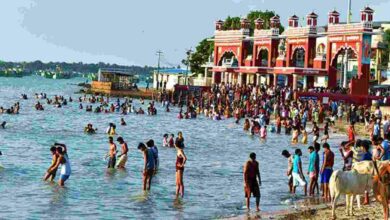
pixel 263 109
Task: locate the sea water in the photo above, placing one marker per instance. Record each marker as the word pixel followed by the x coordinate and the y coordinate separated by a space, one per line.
pixel 216 151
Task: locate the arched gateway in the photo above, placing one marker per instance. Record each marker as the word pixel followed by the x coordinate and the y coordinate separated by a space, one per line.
pixel 301 53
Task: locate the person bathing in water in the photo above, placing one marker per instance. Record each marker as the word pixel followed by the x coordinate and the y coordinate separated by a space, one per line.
pixel 122 158
pixel 123 123
pixel 63 161
pixel 3 124
pixel 171 142
pixel 289 157
pixel 149 165
pixel 154 149
pixel 181 159
pixel 52 173
pixel 111 153
pixel 111 129
pixel 251 185
pixel 89 129
pixel 165 140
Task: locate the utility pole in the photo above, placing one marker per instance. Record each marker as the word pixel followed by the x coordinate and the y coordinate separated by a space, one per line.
pixel 159 54
pixel 188 64
pixel 349 19
pixel 349 15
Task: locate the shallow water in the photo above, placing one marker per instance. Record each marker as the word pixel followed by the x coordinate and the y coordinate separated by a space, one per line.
pixel 216 152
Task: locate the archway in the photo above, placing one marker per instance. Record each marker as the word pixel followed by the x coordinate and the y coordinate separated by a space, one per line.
pixel 298 58
pixel 228 59
pixel 262 58
pixel 345 66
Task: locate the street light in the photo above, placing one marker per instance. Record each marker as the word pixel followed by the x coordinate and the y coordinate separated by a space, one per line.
pixel 188 52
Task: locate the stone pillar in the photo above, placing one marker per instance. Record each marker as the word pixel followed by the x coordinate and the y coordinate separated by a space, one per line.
pixel 258 79
pixel 295 83
pixel 268 80
pixel 239 81
pixel 213 78
pixel 205 76
pixel 275 80
pixel 226 78
pixel 222 76
pixel 231 77
pixel 305 82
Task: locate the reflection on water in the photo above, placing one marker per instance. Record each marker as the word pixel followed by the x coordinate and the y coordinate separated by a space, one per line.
pixel 216 153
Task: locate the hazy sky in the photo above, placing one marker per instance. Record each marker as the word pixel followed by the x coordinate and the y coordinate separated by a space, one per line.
pixel 131 31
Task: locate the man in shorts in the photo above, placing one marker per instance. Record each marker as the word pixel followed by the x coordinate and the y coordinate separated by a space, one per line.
pixel 289 157
pixel 111 153
pixel 297 172
pixel 326 170
pixel 251 186
pixel 312 172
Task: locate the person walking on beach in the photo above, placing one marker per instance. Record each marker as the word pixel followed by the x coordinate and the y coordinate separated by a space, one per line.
pixel 122 158
pixel 181 159
pixel 312 172
pixel 149 166
pixel 251 186
pixel 326 170
pixel 111 153
pixel 52 173
pixel 289 157
pixel 297 172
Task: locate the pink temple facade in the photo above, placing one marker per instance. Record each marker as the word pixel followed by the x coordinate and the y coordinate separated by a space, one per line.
pixel 304 53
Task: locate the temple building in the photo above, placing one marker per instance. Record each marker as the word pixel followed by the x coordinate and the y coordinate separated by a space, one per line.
pixel 344 55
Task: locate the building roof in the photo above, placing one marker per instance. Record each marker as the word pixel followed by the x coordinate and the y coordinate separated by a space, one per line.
pixel 173 71
pixel 117 71
pixel 294 17
pixel 313 15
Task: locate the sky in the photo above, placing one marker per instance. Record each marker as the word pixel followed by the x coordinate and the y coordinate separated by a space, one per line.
pixel 129 32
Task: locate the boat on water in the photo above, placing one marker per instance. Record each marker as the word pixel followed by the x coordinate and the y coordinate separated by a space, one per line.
pixel 14 72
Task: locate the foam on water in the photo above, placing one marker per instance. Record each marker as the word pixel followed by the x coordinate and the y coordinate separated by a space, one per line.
pixel 216 153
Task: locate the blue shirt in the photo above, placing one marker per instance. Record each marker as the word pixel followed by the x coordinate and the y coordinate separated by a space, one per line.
pixel 296 161
pixel 367 156
pixel 376 129
pixel 312 161
pixel 150 160
pixel 386 155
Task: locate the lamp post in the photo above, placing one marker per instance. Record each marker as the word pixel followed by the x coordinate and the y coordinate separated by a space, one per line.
pixel 188 52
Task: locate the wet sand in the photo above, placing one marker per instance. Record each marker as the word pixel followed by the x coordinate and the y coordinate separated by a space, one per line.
pixel 321 211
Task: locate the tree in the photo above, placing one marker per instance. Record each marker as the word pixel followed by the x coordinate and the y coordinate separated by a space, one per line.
pixel 200 56
pixel 386 51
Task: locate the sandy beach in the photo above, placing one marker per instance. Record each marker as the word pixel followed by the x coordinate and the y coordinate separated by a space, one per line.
pixel 322 211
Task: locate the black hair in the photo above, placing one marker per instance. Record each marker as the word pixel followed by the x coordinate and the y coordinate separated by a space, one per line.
pixel 298 151
pixel 325 145
pixel 59 149
pixel 286 153
pixel 141 146
pixel 150 143
pixel 252 155
pixel 53 149
pixel 311 148
pixel 120 139
pixel 110 138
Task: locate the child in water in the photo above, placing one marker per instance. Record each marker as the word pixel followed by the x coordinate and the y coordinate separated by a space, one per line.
pixel 165 140
pixel 304 136
pixel 247 125
pixel 171 141
pixel 294 139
